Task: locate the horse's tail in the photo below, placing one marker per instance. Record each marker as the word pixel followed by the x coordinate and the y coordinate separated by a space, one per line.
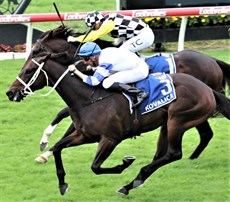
pixel 225 67
pixel 222 104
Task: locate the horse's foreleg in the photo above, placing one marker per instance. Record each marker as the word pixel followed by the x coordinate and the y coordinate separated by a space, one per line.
pixel 206 135
pixel 49 130
pixel 73 139
pixel 162 143
pixel 43 158
pixel 63 187
pixel 105 148
pixel 173 153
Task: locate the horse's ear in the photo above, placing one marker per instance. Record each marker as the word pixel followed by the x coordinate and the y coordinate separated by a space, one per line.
pixel 60 31
pixel 50 35
pixel 44 56
pixel 47 57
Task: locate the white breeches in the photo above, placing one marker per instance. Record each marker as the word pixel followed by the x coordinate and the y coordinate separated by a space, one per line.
pixel 127 76
pixel 143 40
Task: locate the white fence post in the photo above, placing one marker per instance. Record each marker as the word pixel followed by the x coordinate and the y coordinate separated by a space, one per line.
pixel 118 5
pixel 182 33
pixel 29 38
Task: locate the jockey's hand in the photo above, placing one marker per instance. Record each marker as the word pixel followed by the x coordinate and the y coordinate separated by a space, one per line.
pixel 71 39
pixel 71 68
pixel 88 68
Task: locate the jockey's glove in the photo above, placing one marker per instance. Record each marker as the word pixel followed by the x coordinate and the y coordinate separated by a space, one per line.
pixel 71 68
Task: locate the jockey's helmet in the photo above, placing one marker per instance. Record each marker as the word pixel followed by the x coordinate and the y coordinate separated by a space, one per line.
pixel 89 49
pixel 93 17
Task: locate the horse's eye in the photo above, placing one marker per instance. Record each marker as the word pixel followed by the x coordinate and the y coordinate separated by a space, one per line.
pixel 35 52
pixel 29 71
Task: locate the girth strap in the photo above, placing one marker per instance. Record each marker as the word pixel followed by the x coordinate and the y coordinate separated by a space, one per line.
pixel 135 122
pixel 96 100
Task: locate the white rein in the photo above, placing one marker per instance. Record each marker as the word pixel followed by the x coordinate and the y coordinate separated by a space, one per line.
pixel 27 90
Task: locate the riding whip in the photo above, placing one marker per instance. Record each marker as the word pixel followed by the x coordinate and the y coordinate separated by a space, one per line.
pixel 58 14
pixel 86 34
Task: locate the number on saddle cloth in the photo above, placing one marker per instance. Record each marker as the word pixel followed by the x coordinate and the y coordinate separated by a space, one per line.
pixel 160 89
pixel 161 63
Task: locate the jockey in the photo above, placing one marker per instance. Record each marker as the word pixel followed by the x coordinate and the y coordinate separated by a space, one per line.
pixel 132 32
pixel 115 68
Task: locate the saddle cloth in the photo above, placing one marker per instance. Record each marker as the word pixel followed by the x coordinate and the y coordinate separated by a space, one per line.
pixel 161 62
pixel 160 89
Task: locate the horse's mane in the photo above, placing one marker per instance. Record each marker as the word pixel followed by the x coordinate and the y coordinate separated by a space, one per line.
pixel 61 32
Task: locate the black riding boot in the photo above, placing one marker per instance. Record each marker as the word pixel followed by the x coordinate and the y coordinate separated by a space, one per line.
pixel 137 93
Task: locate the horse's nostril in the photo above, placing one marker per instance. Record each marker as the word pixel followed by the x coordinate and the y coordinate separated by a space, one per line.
pixel 9 93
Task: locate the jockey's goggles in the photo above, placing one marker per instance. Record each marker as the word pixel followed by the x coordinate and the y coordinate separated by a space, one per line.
pixel 85 58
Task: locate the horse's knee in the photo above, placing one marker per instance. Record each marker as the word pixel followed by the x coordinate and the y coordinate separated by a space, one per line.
pixel 96 169
pixel 174 156
pixel 158 155
pixel 56 151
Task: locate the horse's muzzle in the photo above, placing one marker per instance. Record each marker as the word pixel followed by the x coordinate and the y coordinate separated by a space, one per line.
pixel 15 95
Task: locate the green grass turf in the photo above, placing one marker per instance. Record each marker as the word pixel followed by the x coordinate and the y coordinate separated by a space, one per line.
pixel 21 179
pixel 21 126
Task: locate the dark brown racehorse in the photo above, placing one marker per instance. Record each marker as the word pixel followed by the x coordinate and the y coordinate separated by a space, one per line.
pixel 195 103
pixel 213 72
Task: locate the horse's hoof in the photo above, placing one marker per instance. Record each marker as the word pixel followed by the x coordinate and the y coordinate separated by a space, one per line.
pixel 123 191
pixel 63 188
pixel 41 159
pixel 43 145
pixel 129 159
pixel 137 183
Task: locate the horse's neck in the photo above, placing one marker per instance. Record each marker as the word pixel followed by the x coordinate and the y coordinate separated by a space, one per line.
pixel 72 90
pixel 60 45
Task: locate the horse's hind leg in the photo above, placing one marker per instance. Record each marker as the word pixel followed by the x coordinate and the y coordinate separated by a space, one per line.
pixel 105 148
pixel 206 135
pixel 162 144
pixel 174 152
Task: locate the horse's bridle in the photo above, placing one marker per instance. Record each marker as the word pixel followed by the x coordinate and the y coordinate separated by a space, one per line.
pixel 43 47
pixel 28 91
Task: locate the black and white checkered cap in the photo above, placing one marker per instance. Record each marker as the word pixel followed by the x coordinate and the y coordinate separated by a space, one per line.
pixel 93 17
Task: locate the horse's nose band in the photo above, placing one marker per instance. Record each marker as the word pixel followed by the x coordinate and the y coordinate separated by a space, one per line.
pixel 27 90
